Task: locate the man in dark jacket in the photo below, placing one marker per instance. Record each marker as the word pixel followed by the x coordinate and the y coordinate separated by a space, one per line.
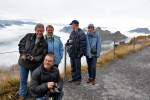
pixel 32 48
pixel 46 81
pixel 76 46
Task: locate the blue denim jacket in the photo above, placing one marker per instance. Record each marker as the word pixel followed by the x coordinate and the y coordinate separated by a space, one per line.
pixel 93 41
pixel 55 46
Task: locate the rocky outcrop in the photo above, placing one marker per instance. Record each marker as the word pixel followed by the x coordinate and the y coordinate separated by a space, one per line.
pixel 140 30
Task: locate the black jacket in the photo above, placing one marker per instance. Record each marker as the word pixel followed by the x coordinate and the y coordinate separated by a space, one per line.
pixel 38 51
pixel 77 47
pixel 40 78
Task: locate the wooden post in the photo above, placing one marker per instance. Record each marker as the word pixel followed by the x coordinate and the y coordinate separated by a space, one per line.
pixel 134 40
pixel 114 49
pixel 65 63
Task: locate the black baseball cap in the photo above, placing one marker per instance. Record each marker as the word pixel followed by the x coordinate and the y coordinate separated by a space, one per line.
pixel 74 22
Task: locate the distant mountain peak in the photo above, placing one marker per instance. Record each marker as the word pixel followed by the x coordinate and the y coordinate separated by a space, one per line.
pixel 140 30
pixel 106 35
pixel 4 23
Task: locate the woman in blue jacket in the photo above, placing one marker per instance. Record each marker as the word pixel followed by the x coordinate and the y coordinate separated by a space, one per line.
pixel 93 49
pixel 55 45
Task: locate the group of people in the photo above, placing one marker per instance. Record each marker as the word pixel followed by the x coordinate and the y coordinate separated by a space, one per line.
pixel 41 55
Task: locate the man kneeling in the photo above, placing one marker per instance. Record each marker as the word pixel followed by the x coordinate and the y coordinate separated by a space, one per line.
pixel 46 81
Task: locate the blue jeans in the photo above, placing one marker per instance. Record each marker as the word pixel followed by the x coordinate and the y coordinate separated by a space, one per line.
pixel 23 81
pixel 76 68
pixel 91 67
pixel 55 97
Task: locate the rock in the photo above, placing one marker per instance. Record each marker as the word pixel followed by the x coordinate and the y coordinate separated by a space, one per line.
pixel 106 35
pixel 140 30
pixel 66 29
pixel 118 36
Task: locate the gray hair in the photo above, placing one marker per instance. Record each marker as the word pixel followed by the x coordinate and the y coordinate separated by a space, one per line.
pixel 91 26
pixel 39 25
pixel 49 26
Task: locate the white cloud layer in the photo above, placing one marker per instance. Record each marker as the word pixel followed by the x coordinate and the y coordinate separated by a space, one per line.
pixel 94 11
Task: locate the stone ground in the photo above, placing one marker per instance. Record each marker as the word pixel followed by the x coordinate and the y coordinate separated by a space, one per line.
pixel 125 79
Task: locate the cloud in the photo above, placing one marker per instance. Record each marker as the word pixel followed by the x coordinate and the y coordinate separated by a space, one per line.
pixel 91 10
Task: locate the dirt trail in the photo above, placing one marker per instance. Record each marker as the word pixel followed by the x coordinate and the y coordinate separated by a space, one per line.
pixel 125 79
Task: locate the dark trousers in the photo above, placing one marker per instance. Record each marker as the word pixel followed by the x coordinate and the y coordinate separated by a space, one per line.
pixel 76 68
pixel 91 67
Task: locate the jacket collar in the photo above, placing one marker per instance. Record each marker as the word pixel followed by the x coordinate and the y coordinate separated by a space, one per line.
pixel 92 34
pixel 34 37
pixel 48 37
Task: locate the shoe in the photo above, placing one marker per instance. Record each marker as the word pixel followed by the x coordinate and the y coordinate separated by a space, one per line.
pixel 89 81
pixel 71 81
pixel 77 82
pixel 93 82
pixel 21 98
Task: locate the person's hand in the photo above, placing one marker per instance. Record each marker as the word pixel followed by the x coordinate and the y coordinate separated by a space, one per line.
pixel 30 57
pixel 23 57
pixel 51 90
pixel 50 85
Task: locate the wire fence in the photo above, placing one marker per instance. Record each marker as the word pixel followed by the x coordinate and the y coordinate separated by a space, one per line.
pixel 8 52
pixel 134 41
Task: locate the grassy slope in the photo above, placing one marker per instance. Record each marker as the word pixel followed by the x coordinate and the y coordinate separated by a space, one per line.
pixel 9 85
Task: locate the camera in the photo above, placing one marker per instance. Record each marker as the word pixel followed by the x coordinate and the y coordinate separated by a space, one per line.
pixel 29 57
pixel 69 42
pixel 26 57
pixel 55 89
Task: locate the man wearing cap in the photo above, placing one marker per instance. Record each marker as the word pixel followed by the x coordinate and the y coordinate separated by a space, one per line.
pixel 76 49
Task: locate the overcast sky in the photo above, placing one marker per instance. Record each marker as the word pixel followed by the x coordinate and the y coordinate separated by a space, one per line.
pixel 104 11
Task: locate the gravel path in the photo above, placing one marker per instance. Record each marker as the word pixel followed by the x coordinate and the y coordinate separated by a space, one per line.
pixel 125 79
